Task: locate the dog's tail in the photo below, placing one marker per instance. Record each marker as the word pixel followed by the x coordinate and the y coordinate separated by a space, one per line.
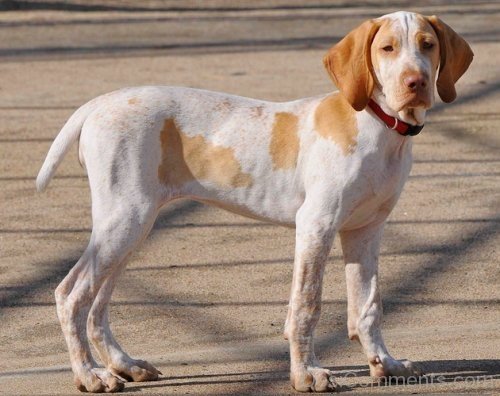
pixel 64 140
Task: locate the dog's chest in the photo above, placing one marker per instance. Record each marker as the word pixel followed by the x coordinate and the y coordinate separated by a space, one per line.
pixel 387 179
pixel 378 186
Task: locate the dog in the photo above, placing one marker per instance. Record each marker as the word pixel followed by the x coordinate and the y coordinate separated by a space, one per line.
pixel 331 164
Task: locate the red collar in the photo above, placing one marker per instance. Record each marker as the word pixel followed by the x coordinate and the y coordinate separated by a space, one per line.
pixel 403 128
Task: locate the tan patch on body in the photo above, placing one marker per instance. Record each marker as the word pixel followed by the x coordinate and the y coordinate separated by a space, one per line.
pixel 186 158
pixel 335 119
pixel 284 146
pixel 133 101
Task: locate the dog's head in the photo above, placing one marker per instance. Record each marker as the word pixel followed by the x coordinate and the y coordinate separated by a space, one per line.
pixel 398 56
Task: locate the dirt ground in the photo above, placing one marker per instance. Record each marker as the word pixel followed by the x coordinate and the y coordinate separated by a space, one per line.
pixel 205 298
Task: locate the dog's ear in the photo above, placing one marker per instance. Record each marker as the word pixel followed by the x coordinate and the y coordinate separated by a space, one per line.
pixel 455 58
pixel 349 65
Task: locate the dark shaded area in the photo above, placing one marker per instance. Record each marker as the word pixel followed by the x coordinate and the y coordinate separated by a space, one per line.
pixel 216 304
pixel 27 140
pixel 211 17
pixel 46 280
pixel 33 178
pixel 57 270
pixel 161 224
pixel 15 5
pixel 241 45
pixel 438 372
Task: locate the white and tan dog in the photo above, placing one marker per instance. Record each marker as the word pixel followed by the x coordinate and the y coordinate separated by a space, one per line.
pixel 324 165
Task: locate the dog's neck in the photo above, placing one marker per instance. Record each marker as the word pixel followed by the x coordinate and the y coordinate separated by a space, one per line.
pixel 413 116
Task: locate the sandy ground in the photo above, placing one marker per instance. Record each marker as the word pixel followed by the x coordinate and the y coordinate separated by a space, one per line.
pixel 205 298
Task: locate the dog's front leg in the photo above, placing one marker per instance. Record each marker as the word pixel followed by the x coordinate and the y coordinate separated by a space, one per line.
pixel 314 237
pixel 361 250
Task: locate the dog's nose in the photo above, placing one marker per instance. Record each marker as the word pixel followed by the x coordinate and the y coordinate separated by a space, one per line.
pixel 415 81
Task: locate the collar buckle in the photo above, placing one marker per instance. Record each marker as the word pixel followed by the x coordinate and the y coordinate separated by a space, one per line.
pixel 395 126
pixel 403 128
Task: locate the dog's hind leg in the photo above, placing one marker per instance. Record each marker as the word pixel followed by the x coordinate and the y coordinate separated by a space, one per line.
pixel 118 228
pixel 115 359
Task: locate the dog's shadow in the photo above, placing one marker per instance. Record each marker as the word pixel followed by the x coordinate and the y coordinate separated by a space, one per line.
pixel 349 377
pixel 455 369
pixel 436 372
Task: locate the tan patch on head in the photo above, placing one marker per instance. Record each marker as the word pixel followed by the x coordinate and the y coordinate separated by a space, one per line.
pixel 386 36
pixel 335 119
pixel 133 101
pixel 284 146
pixel 186 158
pixel 426 34
pixel 455 58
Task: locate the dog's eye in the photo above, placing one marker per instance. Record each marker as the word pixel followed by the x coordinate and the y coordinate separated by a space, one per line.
pixel 388 48
pixel 427 45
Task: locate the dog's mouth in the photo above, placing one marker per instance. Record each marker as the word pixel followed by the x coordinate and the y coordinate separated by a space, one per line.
pixel 413 115
pixel 413 101
pixel 410 107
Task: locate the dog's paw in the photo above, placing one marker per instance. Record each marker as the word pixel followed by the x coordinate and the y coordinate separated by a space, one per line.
pixel 394 369
pixel 98 380
pixel 313 379
pixel 135 370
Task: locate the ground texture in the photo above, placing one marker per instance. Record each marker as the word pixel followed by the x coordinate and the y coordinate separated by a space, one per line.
pixel 205 298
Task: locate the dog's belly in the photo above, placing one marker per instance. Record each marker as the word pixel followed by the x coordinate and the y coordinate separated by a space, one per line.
pixel 270 196
pixel 285 216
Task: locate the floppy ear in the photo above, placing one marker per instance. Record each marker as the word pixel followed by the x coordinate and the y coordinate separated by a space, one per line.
pixel 455 58
pixel 349 65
